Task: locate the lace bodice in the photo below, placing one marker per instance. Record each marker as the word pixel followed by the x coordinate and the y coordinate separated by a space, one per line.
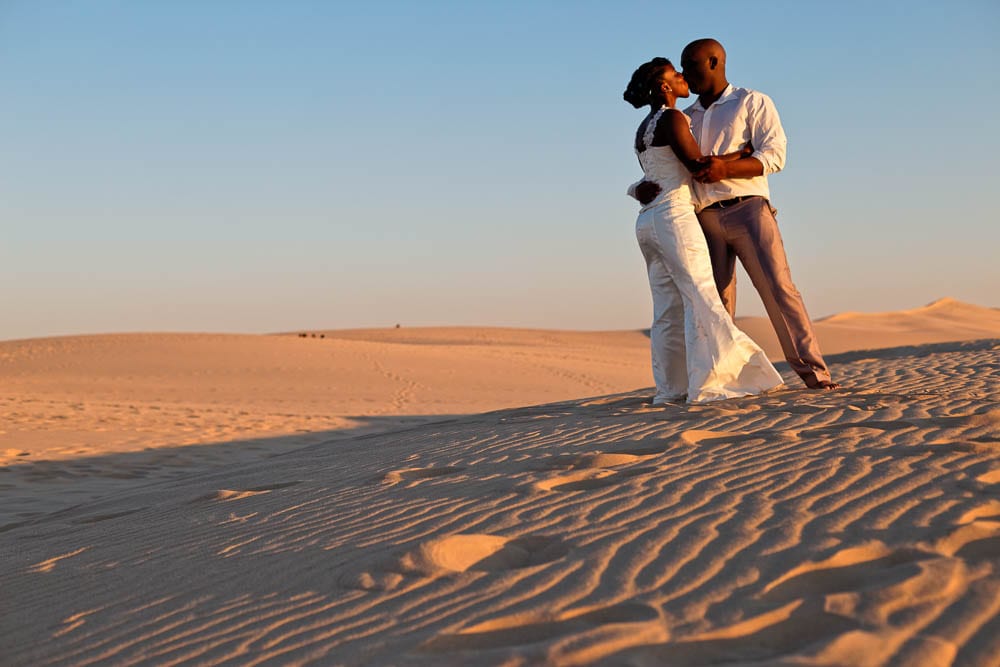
pixel 659 164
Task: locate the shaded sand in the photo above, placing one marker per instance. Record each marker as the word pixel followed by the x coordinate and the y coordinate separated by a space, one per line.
pixel 859 527
pixel 74 396
pixel 174 404
pixel 78 396
pixel 82 417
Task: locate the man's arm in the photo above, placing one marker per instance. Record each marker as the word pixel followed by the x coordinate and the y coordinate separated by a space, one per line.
pixel 644 191
pixel 766 135
pixel 715 168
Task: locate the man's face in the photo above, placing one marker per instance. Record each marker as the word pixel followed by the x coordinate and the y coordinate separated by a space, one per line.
pixel 697 69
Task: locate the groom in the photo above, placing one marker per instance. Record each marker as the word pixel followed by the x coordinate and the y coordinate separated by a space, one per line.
pixel 733 202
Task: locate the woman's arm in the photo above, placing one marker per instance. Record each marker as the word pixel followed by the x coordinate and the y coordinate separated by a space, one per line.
pixel 674 130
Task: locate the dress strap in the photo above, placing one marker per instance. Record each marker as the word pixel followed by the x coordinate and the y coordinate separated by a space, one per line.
pixel 647 136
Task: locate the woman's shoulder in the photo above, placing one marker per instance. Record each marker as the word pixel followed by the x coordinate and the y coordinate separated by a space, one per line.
pixel 676 115
pixel 671 122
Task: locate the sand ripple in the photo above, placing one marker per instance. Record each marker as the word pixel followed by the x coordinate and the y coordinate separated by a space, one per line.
pixel 860 527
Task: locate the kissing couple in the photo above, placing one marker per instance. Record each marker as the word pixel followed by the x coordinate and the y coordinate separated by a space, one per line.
pixel 705 203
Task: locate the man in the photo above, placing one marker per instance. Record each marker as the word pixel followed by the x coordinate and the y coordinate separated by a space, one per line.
pixel 732 201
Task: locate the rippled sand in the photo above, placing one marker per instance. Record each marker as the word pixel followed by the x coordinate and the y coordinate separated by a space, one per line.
pixel 858 527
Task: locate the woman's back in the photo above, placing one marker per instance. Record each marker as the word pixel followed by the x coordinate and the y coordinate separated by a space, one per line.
pixel 662 166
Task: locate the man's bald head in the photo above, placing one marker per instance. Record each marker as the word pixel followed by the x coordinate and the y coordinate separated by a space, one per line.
pixel 707 48
pixel 704 64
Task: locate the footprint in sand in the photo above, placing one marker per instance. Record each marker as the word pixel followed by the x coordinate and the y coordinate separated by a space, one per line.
pixel 417 474
pixel 698 436
pixel 577 481
pixel 989 419
pixel 991 477
pixel 988 510
pixel 757 640
pixel 641 448
pixel 987 548
pixel 594 471
pixel 986 483
pixel 597 459
pixel 522 629
pixel 975 541
pixel 592 466
pixel 851 569
pixel 231 494
pixel 455 554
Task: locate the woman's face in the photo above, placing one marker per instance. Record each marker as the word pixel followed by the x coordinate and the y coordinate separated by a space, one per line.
pixel 675 81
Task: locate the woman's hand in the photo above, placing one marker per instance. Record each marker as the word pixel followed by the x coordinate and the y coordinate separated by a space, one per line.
pixel 713 169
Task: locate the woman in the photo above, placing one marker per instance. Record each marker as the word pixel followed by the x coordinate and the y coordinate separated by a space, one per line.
pixel 697 351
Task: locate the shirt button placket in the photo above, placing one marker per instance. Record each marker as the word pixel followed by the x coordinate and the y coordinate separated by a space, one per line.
pixel 703 140
pixel 706 149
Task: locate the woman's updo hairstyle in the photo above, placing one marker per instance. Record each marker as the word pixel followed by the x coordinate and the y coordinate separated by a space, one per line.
pixel 639 87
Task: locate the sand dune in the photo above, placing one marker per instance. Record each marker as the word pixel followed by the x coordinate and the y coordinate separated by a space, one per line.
pixel 71 397
pixel 75 396
pixel 176 403
pixel 938 322
pixel 351 499
pixel 860 527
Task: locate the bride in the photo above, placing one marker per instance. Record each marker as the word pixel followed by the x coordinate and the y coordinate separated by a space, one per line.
pixel 697 351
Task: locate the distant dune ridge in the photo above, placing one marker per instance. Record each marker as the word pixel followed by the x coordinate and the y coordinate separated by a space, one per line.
pixel 940 321
pixel 384 497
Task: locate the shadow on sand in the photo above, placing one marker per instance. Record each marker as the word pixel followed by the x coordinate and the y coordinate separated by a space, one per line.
pixel 32 490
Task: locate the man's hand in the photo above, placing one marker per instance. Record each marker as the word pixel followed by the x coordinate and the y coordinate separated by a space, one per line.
pixel 646 192
pixel 713 170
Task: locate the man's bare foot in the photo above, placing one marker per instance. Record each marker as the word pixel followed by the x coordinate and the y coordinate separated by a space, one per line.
pixel 825 385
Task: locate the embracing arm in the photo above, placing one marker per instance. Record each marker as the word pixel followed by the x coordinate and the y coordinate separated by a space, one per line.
pixel 746 151
pixel 673 130
pixel 716 168
pixel 767 138
pixel 677 134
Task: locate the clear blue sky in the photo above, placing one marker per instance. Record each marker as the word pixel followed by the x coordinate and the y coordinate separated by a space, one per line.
pixel 257 166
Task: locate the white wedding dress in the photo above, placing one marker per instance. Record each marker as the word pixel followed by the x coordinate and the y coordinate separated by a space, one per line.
pixel 697 350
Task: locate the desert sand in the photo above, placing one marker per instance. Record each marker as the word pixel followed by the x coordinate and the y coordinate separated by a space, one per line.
pixel 498 497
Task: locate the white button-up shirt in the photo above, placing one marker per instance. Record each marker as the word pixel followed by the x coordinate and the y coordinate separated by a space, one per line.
pixel 738 116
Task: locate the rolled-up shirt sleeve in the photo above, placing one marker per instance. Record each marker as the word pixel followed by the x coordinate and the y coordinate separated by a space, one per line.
pixel 767 135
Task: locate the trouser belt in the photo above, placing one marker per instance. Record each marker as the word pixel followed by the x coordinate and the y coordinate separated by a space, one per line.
pixel 726 203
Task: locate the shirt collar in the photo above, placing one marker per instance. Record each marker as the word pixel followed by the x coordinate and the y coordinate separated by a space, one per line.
pixel 728 94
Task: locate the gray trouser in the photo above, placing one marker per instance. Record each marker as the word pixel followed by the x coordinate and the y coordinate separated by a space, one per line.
pixel 748 230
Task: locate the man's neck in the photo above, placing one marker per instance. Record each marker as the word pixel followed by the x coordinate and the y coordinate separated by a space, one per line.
pixel 708 99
